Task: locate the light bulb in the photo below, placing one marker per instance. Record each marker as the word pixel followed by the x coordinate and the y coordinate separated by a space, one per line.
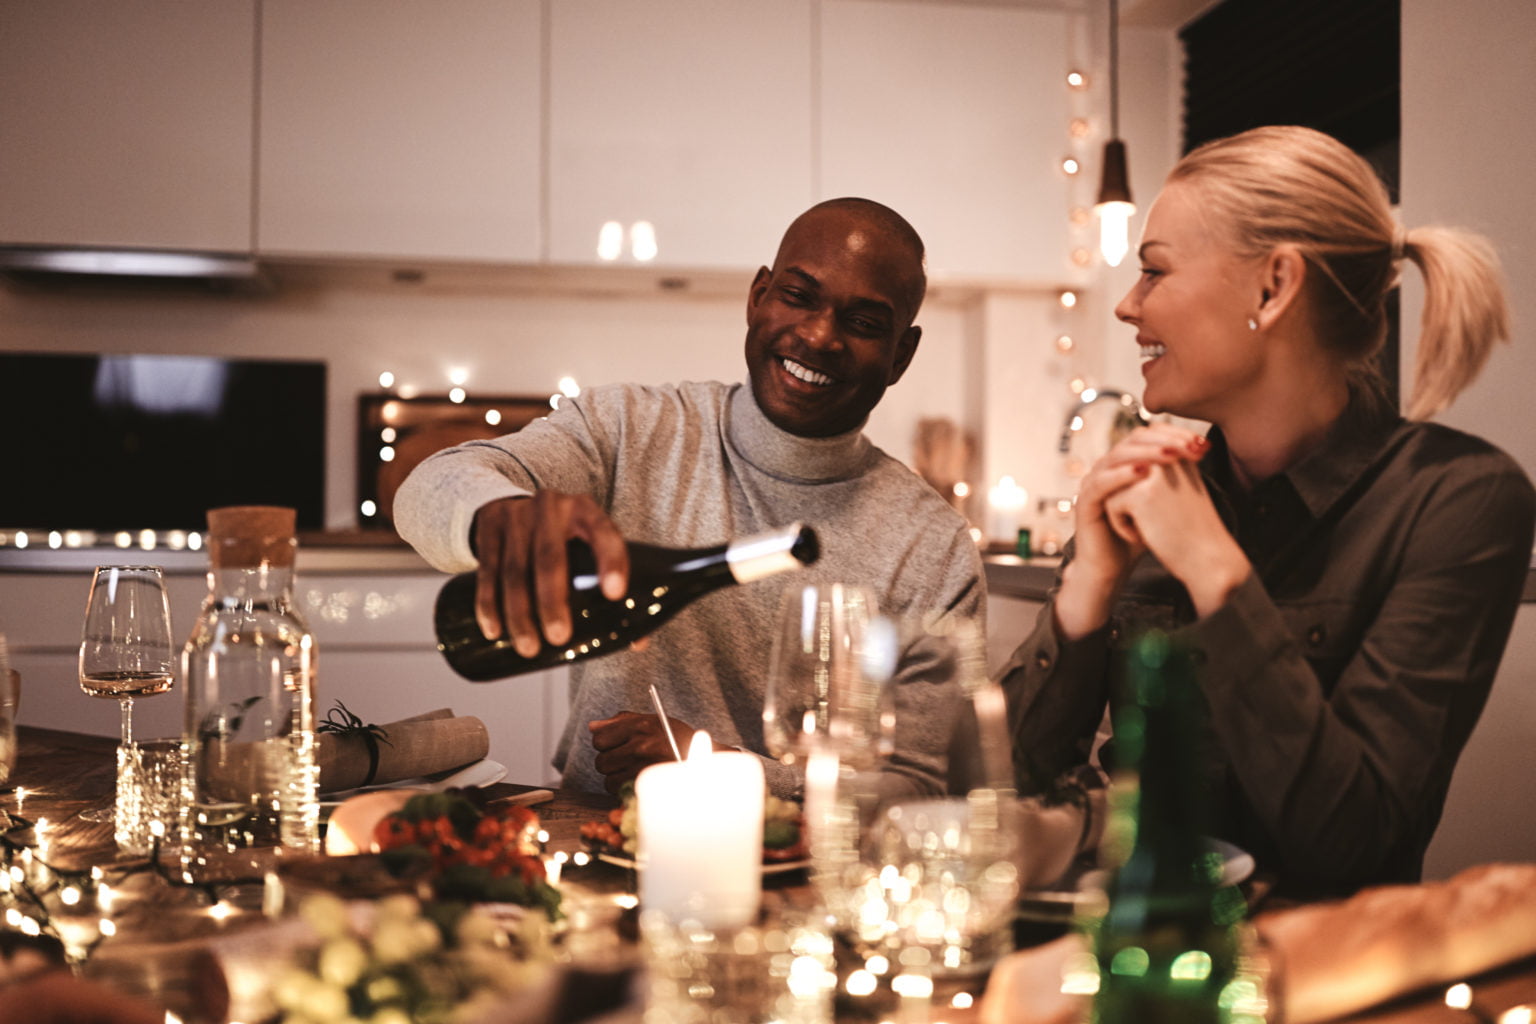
pixel 642 241
pixel 1114 230
pixel 610 240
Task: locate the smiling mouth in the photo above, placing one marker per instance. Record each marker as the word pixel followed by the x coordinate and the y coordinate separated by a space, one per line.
pixel 800 371
pixel 1153 349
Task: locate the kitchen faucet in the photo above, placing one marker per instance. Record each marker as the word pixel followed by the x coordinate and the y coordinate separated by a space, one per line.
pixel 1131 409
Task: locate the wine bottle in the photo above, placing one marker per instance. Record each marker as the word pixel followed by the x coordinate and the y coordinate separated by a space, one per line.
pixel 662 581
pixel 1167 945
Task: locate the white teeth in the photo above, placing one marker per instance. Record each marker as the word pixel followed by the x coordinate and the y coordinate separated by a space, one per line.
pixel 1153 350
pixel 805 373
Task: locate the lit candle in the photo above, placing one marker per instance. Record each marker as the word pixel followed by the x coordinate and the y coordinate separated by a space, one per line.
pixel 1005 507
pixel 701 836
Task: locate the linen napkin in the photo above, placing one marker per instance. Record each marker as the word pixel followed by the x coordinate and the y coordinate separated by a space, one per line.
pixel 425 744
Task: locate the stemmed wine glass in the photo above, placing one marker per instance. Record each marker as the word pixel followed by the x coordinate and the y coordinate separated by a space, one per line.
pixel 125 647
pixel 833 656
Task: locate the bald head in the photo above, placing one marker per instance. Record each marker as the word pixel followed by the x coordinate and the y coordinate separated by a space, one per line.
pixel 875 230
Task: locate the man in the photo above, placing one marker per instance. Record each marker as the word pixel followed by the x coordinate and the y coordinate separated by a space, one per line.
pixel 829 328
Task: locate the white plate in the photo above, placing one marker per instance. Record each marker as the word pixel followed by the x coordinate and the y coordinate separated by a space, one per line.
pixel 482 773
pixel 776 868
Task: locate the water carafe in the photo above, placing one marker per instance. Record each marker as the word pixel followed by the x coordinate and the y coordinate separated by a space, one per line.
pixel 250 779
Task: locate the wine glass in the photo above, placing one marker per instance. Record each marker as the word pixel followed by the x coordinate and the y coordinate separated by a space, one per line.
pixel 125 648
pixel 833 654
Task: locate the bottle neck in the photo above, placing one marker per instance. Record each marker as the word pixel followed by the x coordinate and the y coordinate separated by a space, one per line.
pixel 1160 730
pixel 766 554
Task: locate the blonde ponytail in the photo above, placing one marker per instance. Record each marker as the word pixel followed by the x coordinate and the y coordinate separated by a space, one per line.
pixel 1465 314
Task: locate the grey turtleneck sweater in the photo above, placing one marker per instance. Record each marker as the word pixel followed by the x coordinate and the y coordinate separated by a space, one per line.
pixel 694 465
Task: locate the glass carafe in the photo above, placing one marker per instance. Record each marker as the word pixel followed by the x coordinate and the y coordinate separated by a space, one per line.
pixel 250 778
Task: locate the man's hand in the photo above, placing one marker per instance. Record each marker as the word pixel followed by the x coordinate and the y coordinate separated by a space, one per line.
pixel 523 578
pixel 629 741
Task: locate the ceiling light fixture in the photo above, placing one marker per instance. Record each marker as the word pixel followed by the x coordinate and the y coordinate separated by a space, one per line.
pixel 1114 208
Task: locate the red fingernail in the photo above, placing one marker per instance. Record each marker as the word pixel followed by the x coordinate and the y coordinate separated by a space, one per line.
pixel 1142 468
pixel 1199 444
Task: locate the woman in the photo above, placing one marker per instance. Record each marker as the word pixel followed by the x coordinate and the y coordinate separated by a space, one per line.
pixel 1348 577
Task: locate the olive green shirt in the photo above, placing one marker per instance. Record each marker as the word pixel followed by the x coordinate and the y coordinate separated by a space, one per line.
pixel 1345 675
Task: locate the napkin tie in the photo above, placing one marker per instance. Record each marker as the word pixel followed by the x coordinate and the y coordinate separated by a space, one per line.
pixel 349 724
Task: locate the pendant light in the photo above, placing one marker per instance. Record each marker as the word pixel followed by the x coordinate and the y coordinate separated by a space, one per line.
pixel 1114 208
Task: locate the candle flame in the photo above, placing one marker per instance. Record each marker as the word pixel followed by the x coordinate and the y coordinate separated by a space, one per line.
pixel 700 746
pixel 1459 996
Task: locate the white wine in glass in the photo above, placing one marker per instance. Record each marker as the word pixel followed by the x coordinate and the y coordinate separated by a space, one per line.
pixel 125 646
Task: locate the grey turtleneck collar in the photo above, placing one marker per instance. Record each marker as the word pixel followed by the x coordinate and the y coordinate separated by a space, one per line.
pixel 788 456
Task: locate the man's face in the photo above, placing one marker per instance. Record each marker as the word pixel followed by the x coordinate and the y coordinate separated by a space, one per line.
pixel 829 326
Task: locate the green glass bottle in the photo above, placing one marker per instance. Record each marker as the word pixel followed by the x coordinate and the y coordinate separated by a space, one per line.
pixel 1167 944
pixel 662 581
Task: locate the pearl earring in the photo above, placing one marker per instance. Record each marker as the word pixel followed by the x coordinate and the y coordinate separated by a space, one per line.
pixel 1253 324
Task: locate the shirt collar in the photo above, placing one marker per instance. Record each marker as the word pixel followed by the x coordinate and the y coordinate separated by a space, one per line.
pixel 788 456
pixel 1351 445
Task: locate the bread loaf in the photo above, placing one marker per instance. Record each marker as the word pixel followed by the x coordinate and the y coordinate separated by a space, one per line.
pixel 1340 957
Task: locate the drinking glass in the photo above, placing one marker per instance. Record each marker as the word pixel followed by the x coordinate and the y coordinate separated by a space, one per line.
pixel 833 655
pixel 928 881
pixel 125 647
pixel 949 877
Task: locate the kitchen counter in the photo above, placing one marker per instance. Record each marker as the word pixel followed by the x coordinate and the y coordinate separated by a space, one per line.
pixel 1030 578
pixel 1008 575
pixel 326 552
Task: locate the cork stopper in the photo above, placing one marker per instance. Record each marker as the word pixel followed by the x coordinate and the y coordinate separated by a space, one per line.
pixel 245 536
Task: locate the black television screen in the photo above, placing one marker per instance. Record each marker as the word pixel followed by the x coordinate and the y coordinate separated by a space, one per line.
pixel 131 442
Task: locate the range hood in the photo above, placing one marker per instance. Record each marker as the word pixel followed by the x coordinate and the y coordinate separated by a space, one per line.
pixel 60 264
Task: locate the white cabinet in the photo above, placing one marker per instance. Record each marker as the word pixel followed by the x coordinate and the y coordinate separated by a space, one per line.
pixel 511 131
pixel 394 128
pixel 127 123
pixel 694 115
pixel 957 116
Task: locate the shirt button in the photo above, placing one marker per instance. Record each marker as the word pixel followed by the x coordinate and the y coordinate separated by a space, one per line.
pixel 1316 635
pixel 1042 660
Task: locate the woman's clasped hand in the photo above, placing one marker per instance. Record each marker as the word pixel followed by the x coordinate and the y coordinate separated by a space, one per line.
pixel 1147 495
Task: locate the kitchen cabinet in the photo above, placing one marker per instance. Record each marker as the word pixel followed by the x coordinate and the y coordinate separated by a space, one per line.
pixel 957 116
pixel 394 128
pixel 127 123
pixel 693 115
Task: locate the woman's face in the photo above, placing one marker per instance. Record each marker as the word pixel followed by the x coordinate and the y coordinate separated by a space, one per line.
pixel 1191 307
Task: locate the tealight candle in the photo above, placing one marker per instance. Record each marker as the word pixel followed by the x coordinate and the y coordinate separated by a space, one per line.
pixel 701 836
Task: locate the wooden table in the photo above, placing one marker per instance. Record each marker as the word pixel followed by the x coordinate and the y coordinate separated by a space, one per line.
pixel 59 774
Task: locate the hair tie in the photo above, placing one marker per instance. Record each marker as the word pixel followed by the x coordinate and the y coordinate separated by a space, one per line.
pixel 1399 242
